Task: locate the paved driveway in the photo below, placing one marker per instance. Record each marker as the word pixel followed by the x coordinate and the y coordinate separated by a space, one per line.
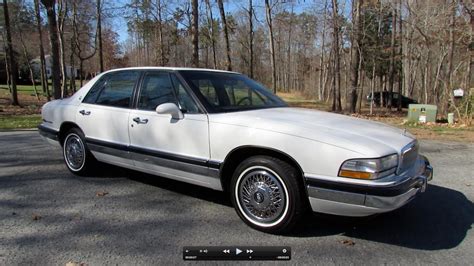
pixel 49 216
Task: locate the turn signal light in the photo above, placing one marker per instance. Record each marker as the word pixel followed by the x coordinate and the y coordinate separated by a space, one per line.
pixel 354 174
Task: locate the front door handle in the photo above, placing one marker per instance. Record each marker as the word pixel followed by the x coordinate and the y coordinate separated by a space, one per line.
pixel 84 112
pixel 140 121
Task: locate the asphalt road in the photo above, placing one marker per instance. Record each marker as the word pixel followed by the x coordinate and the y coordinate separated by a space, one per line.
pixel 49 216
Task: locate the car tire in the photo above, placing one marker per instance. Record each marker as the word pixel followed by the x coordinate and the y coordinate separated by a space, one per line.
pixel 77 156
pixel 267 194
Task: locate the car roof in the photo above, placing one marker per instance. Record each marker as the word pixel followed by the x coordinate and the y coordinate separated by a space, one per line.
pixel 171 68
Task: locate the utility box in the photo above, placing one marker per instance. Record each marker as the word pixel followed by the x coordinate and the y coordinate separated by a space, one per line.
pixel 422 113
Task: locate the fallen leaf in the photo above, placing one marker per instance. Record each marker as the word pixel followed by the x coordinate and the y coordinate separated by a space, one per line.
pixel 347 242
pixel 73 263
pixel 36 217
pixel 75 217
pixel 101 193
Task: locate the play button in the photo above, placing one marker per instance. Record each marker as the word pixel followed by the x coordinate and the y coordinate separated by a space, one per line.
pixel 237 251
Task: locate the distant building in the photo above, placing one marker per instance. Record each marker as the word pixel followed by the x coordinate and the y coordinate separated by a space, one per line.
pixel 36 65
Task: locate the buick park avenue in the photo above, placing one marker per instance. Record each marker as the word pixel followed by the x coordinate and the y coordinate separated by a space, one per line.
pixel 224 131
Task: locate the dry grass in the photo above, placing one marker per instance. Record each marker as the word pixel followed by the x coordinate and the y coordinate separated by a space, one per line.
pixel 27 115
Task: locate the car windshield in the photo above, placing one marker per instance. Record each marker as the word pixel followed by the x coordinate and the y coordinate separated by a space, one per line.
pixel 227 92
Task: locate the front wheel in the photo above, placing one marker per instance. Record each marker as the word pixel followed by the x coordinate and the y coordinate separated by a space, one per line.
pixel 79 160
pixel 267 194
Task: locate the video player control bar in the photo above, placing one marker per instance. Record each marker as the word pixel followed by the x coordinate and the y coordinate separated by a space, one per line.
pixel 236 253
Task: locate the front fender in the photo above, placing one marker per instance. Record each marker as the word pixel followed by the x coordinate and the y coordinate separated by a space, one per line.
pixel 312 156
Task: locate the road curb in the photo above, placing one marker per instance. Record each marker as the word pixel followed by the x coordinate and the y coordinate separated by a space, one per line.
pixel 18 129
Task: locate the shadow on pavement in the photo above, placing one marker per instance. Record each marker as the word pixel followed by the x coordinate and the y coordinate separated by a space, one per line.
pixel 437 219
pixel 110 171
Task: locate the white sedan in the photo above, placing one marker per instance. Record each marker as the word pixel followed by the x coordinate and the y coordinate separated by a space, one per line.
pixel 224 131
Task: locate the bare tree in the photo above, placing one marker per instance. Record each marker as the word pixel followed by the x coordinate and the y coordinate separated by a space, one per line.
pixel 355 51
pixel 449 74
pixel 11 60
pixel 50 6
pixel 268 16
pixel 159 8
pixel 44 78
pixel 251 32
pixel 212 38
pixel 72 78
pixel 336 81
pixel 400 55
pixel 226 35
pixel 391 71
pixel 80 51
pixel 195 32
pixel 322 68
pixel 299 44
pixel 470 67
pixel 28 63
pixel 99 36
pixel 62 14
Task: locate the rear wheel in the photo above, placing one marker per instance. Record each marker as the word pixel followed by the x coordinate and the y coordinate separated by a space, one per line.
pixel 267 195
pixel 79 160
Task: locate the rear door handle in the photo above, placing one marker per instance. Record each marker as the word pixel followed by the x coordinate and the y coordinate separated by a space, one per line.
pixel 84 112
pixel 140 121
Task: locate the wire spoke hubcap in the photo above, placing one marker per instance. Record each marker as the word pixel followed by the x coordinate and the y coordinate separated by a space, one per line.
pixel 261 196
pixel 74 152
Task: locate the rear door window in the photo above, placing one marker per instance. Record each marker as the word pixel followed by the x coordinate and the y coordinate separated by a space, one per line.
pixel 115 90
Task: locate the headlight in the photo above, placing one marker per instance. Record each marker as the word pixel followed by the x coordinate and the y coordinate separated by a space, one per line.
pixel 369 168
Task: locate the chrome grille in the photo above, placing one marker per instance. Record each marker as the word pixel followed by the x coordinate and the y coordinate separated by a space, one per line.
pixel 408 157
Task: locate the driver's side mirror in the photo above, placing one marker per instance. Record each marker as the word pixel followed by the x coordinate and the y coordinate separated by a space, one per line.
pixel 170 108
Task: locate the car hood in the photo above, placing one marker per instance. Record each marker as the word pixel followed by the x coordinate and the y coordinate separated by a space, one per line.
pixel 365 137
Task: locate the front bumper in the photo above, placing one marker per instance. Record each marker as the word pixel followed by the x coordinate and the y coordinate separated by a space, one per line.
pixel 348 197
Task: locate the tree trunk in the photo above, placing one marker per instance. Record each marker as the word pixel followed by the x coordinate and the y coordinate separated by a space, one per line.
pixel 382 84
pixel 449 75
pixel 226 35
pixel 62 16
pixel 27 57
pixel 81 75
pixel 288 71
pixel 272 44
pixel 78 49
pixel 471 49
pixel 7 70
pixel 336 102
pixel 250 39
pixel 356 4
pixel 195 33
pixel 361 85
pixel 211 33
pixel 427 77
pixel 372 88
pixel 11 60
pixel 437 78
pixel 391 68
pixel 99 36
pixel 321 59
pixel 163 61
pixel 44 78
pixel 72 78
pixel 53 37
pixel 400 55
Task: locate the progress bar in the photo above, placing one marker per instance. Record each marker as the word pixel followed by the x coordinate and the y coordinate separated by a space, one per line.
pixel 236 253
